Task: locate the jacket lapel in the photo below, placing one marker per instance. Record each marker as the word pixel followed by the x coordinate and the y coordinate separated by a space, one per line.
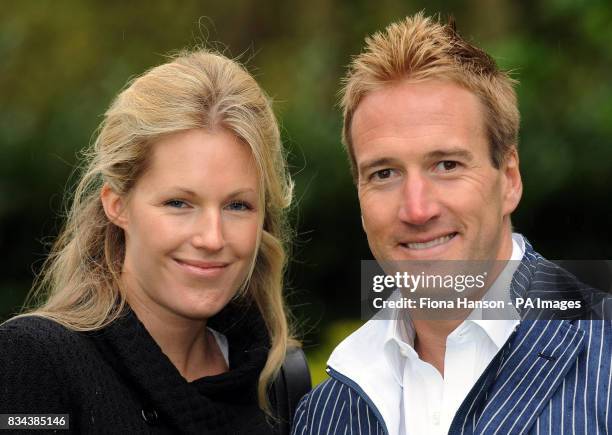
pixel 528 370
pixel 540 355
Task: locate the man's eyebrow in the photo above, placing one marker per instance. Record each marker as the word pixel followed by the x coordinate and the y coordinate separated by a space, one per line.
pixel 450 153
pixel 432 155
pixel 382 161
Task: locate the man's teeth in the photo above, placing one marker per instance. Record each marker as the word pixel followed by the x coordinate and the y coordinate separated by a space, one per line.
pixel 431 243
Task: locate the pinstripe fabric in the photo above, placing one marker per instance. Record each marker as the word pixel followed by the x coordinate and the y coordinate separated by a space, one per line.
pixel 334 408
pixel 551 377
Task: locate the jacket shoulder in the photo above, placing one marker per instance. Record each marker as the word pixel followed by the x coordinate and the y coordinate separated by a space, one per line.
pixel 33 325
pixel 34 365
pixel 35 334
pixel 332 407
pixel 542 278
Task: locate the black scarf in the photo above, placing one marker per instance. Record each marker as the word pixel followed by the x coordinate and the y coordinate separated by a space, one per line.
pixel 220 404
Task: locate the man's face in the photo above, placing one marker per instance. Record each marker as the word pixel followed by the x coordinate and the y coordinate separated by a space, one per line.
pixel 426 183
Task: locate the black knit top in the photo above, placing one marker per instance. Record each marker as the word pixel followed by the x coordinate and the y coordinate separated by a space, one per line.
pixel 117 380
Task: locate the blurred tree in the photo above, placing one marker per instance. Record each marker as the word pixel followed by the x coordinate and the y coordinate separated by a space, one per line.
pixel 62 63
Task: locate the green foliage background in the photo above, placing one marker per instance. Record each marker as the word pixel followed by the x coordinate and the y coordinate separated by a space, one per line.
pixel 61 63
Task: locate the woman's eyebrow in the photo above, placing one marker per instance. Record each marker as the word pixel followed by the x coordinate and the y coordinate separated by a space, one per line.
pixel 190 192
pixel 241 191
pixel 181 189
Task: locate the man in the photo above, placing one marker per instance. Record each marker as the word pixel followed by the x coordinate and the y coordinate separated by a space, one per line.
pixel 431 127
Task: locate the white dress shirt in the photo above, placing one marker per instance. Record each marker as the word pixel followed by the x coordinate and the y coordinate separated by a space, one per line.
pixel 430 400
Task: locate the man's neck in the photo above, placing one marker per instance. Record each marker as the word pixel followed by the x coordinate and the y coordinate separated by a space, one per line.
pixel 430 340
pixel 430 335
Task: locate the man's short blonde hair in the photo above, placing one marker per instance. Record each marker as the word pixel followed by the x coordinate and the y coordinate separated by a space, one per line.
pixel 421 48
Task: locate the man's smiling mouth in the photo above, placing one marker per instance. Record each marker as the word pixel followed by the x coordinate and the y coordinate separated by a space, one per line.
pixel 429 243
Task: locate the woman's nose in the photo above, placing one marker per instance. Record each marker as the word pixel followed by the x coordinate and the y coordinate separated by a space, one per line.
pixel 208 231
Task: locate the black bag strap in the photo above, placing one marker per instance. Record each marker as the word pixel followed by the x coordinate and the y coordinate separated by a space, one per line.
pixel 291 384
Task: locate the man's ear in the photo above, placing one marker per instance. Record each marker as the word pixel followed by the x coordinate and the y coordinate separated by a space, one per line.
pixel 513 184
pixel 114 206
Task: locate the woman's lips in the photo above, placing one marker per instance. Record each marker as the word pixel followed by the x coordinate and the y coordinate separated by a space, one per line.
pixel 208 269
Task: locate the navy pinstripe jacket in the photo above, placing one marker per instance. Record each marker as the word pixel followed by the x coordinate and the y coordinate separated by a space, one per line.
pixel 551 376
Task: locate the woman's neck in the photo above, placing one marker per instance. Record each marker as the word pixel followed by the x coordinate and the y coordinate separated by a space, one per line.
pixel 187 343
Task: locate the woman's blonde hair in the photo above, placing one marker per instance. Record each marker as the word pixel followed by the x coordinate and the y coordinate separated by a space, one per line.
pixel 79 286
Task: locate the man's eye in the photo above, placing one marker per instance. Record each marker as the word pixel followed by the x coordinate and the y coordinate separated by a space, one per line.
pixel 239 206
pixel 383 174
pixel 447 165
pixel 176 203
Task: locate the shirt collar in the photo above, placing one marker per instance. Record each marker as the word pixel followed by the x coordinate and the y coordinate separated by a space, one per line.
pixel 499 330
pixel 500 289
pixel 399 341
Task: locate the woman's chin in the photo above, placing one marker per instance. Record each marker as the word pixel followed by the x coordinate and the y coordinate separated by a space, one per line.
pixel 201 309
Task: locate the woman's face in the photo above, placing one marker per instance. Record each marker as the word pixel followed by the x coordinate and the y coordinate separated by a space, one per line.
pixel 191 224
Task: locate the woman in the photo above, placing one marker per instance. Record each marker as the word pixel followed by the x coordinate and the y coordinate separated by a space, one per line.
pixel 160 308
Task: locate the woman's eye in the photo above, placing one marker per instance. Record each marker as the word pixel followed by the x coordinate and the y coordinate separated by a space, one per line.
pixel 239 206
pixel 383 174
pixel 175 203
pixel 447 165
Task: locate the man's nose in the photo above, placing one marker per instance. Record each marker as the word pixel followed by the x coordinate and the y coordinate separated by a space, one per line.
pixel 419 204
pixel 208 231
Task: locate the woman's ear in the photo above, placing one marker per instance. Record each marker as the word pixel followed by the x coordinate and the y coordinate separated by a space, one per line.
pixel 113 204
